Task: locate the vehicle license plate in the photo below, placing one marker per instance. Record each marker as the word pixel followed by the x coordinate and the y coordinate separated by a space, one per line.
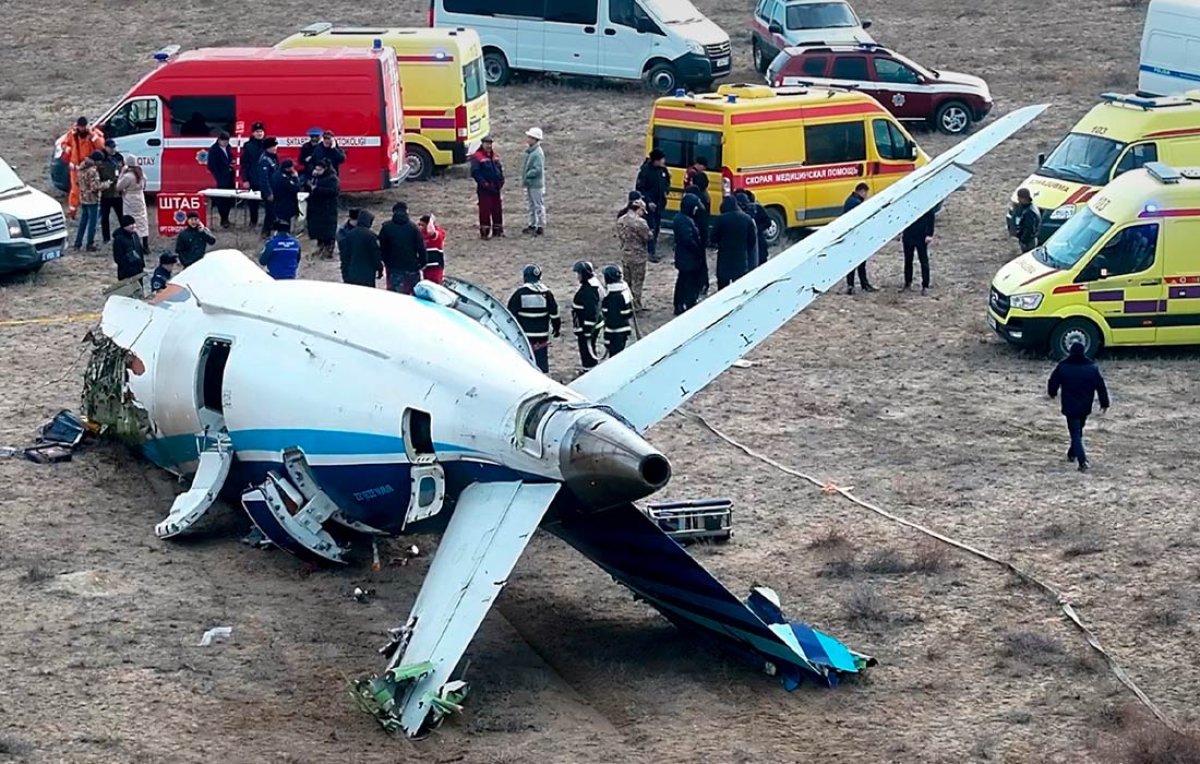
pixel 51 254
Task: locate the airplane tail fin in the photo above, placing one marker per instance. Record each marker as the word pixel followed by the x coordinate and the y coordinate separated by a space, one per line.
pixel 631 548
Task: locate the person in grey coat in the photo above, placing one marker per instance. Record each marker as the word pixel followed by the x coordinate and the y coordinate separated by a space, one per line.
pixel 533 178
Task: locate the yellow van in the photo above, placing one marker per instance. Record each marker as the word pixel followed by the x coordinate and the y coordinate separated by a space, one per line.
pixel 1121 133
pixel 800 150
pixel 443 87
pixel 1121 271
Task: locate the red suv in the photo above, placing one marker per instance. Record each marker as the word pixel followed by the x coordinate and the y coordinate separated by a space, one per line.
pixel 949 101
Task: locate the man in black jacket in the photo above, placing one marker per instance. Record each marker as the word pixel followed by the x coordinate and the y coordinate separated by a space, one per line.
pixel 403 249
pixel 1081 383
pixel 220 166
pixel 861 191
pixel 362 263
pixel 762 223
pixel 252 151
pixel 192 242
pixel 585 313
pixel 916 240
pixel 536 311
pixel 127 249
pixel 735 237
pixel 268 165
pixel 691 259
pixel 653 183
pixel 110 200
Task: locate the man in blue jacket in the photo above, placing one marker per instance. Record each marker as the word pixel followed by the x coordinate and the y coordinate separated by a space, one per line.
pixel 1080 381
pixel 281 253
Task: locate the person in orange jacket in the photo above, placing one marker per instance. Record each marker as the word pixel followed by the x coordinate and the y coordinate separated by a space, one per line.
pixel 435 256
pixel 77 145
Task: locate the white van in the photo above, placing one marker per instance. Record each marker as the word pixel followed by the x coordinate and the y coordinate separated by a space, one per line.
pixel 33 229
pixel 1170 62
pixel 667 43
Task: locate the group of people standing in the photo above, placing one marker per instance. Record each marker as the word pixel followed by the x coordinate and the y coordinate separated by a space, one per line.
pixel 403 253
pixel 104 185
pixel 488 173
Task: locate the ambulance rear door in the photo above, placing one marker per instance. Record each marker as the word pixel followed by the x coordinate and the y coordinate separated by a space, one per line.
pixel 1181 274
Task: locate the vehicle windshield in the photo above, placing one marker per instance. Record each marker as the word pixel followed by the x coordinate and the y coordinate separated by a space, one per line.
pixel 1074 240
pixel 674 11
pixel 8 179
pixel 1082 158
pixel 820 16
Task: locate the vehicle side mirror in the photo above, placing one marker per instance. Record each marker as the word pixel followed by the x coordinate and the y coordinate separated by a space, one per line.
pixel 775 28
pixel 913 152
pixel 644 25
pixel 866 23
pixel 1041 159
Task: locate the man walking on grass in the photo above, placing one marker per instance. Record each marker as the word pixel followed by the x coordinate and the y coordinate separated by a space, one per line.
pixel 1080 381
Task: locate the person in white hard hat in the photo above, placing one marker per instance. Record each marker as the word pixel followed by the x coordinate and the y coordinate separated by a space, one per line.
pixel 534 180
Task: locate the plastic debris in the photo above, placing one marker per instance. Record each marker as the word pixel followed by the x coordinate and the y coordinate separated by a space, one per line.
pixel 219 632
pixel 363 595
pixel 7 452
pixel 64 429
pixel 409 554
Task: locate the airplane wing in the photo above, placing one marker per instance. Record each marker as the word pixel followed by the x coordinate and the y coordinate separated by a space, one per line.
pixel 656 375
pixel 490 528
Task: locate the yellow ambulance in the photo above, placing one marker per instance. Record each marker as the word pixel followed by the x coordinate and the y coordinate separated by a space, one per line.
pixel 443 87
pixel 800 150
pixel 1121 133
pixel 1121 271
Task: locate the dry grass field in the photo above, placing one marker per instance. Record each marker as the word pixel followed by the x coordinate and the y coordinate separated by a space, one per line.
pixel 910 400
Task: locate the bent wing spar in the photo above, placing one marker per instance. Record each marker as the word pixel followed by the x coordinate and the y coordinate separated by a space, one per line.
pixel 655 376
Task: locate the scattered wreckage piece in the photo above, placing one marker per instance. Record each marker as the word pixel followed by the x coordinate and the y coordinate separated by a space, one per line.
pixel 56 439
pixel 694 520
pixel 187 509
pixel 380 696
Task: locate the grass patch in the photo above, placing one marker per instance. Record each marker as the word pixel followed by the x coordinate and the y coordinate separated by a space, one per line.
pixel 12 96
pixel 1033 648
pixel 832 538
pixel 1082 547
pixel 1145 740
pixel 885 562
pixel 842 564
pixel 864 604
pixel 10 745
pixel 1163 617
pixel 36 573
pixel 930 557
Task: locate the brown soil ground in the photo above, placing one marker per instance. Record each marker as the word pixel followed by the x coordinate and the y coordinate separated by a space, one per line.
pixel 908 399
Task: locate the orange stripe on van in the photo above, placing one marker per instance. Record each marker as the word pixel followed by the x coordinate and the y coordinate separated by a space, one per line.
pixel 1069 288
pixel 879 168
pixel 805 112
pixel 1173 133
pixel 1077 196
pixel 689 115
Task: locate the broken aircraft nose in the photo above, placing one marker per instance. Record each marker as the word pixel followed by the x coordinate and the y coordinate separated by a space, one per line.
pixel 604 462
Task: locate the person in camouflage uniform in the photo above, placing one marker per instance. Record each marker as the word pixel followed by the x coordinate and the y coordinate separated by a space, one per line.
pixel 634 234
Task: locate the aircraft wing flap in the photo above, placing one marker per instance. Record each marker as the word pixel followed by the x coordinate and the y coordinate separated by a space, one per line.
pixel 490 528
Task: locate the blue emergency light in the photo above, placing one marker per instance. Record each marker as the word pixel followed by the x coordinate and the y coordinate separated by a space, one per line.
pixel 731 98
pixel 680 92
pixel 164 55
pixel 377 44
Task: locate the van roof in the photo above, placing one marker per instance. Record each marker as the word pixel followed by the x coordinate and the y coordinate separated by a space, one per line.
pixel 397 38
pixel 1154 191
pixel 1127 118
pixel 772 103
pixel 271 54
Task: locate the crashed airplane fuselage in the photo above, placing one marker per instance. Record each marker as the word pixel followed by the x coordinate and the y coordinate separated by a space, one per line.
pixel 392 414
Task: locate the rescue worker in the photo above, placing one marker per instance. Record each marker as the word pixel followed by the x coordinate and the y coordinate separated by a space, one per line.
pixel 110 198
pixel 403 250
pixel 488 174
pixel 536 311
pixel 735 237
pixel 281 254
pixel 264 173
pixel 252 151
pixel 220 166
pixel 653 183
pixel 1081 383
pixel 323 187
pixel 78 145
pixel 1025 221
pixel 704 214
pixel 163 273
pixel 915 240
pixel 691 260
pixel 285 193
pixel 362 263
pixel 127 249
pixel 306 151
pixel 533 178
pixel 585 313
pixel 435 249
pixel 192 242
pixel 617 307
pixel 635 236
pixel 861 191
pixel 343 232
pixel 762 223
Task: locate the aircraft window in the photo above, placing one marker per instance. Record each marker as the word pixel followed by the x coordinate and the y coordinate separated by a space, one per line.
pixel 213 360
pixel 529 429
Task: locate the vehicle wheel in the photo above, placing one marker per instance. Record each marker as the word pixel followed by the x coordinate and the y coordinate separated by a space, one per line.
pixel 778 227
pixel 953 118
pixel 761 64
pixel 419 161
pixel 495 68
pixel 662 79
pixel 1073 330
